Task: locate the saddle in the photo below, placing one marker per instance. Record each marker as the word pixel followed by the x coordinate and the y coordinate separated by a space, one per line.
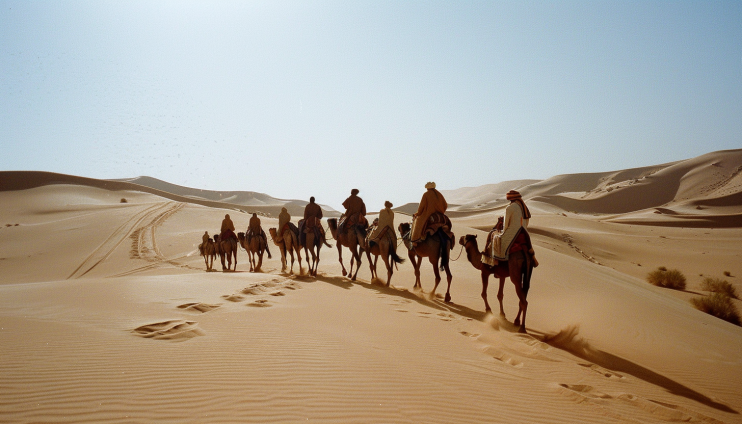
pixel 227 234
pixel 309 225
pixel 435 222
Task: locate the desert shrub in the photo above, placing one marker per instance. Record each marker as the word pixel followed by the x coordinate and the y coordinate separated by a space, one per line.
pixel 671 279
pixel 718 305
pixel 727 273
pixel 123 200
pixel 717 285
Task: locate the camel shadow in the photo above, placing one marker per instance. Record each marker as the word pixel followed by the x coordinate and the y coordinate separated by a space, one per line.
pixel 419 297
pixel 568 341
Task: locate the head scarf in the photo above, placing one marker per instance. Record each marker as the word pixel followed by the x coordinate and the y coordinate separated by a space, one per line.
pixel 388 204
pixel 515 196
pixel 430 185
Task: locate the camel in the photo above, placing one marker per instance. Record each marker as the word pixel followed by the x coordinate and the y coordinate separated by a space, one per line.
pixel 313 242
pixel 385 248
pixel 226 248
pixel 290 244
pixel 256 246
pixel 502 270
pixel 208 251
pixel 434 247
pixel 353 239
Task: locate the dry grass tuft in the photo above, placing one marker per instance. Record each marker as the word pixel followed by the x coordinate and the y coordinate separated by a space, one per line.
pixel 717 285
pixel 718 305
pixel 123 200
pixel 671 279
pixel 727 273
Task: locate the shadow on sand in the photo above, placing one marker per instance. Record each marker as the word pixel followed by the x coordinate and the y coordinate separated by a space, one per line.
pixel 568 340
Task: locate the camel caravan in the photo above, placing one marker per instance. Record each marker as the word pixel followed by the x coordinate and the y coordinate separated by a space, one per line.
pixel 508 251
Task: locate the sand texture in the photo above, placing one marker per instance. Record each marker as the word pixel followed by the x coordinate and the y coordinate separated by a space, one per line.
pixel 107 313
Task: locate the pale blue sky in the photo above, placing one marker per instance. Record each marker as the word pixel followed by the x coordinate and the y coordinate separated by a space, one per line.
pixel 296 99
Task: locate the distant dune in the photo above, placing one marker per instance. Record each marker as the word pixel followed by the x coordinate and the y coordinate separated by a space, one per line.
pixel 247 201
pixel 705 191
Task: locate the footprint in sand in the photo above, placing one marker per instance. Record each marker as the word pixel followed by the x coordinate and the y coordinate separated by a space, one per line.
pixel 176 330
pixel 401 310
pixel 278 293
pixel 603 371
pixel 468 334
pixel 503 357
pixel 260 303
pixel 252 290
pixel 446 317
pixel 582 392
pixel 198 307
pixel 234 297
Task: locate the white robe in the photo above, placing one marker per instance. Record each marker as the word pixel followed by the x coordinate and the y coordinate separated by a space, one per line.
pixel 501 242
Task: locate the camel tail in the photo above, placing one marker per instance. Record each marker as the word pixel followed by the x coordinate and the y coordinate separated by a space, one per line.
pixel 444 250
pixel 395 257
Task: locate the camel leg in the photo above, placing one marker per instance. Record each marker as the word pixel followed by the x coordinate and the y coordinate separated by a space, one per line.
pixel 416 265
pixel 500 296
pixel 389 267
pixel 515 264
pixel 434 262
pixel 359 260
pixel 485 283
pixel 449 277
pixel 298 254
pixel 340 258
pixel 282 250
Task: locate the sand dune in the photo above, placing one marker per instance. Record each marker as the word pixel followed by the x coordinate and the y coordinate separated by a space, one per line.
pixel 241 201
pixel 107 313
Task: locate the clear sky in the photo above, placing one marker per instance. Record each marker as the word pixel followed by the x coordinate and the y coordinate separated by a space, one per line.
pixel 296 99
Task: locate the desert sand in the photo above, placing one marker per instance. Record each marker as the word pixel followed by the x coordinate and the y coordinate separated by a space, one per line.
pixel 108 315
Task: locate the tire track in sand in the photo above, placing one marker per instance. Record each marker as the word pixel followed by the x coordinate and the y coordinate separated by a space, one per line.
pixel 144 244
pixel 120 234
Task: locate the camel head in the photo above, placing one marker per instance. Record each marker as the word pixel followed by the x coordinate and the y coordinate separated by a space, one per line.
pixel 273 232
pixel 404 228
pixel 469 238
pixel 332 223
pixel 241 236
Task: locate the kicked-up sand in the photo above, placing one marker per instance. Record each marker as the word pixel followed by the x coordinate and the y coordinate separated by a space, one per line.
pixel 108 315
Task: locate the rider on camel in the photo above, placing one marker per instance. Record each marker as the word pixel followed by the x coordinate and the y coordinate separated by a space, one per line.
pixel 511 239
pixel 227 230
pixel 431 202
pixel 312 218
pixel 283 220
pixel 355 211
pixel 385 220
pixel 254 230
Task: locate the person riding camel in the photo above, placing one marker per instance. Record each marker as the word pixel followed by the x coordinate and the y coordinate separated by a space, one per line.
pixel 283 220
pixel 227 230
pixel 312 220
pixel 204 241
pixel 431 202
pixel 355 211
pixel 385 223
pixel 254 230
pixel 514 234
